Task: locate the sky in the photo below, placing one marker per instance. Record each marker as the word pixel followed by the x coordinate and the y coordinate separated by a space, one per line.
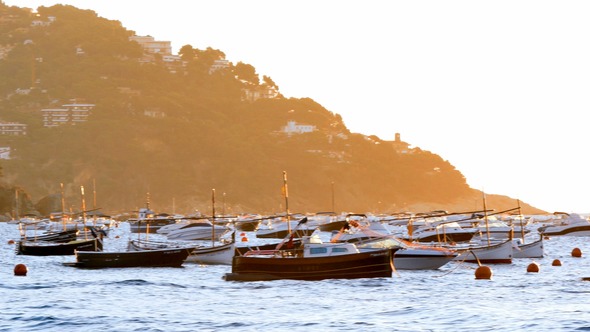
pixel 497 88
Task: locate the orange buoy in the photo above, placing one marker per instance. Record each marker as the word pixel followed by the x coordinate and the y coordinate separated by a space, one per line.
pixel 116 237
pixel 244 239
pixel 533 267
pixel 242 234
pixel 556 262
pixel 10 241
pixel 20 270
pixel 576 252
pixel 483 272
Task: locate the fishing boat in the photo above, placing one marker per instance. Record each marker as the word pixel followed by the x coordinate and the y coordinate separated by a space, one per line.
pixel 168 257
pixel 496 253
pixel 217 253
pixel 534 249
pixel 52 236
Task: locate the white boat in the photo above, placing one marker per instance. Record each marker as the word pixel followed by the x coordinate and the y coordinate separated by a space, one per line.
pixel 280 229
pixel 197 230
pixel 522 249
pixel 443 232
pixel 499 253
pixel 217 253
pixel 411 256
pixel 566 225
pixel 407 255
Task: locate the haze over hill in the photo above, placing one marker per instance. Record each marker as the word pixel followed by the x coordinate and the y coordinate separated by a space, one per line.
pixel 179 128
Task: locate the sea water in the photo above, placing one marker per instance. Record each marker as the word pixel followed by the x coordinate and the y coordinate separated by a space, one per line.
pixel 54 297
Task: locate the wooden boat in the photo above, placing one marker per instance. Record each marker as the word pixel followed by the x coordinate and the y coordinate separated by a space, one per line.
pixel 528 250
pixel 215 254
pixel 60 237
pixel 169 257
pixel 47 248
pixel 315 261
pixel 499 253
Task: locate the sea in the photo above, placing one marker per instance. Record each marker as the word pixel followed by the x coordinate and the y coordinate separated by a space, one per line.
pixel 55 297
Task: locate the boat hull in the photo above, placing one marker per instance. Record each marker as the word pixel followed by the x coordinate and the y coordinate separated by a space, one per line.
pixel 374 264
pixel 145 258
pixel 421 259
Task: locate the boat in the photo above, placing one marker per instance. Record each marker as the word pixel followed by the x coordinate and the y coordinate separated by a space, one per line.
pixel 315 261
pixel 448 231
pixel 407 255
pixel 168 257
pixel 52 236
pixel 411 256
pixel 197 230
pixel 217 253
pixel 280 230
pixel 534 249
pixel 566 224
pixel 495 253
pixel 47 248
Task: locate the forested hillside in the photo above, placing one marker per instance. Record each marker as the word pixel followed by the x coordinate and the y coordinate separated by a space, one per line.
pixel 177 130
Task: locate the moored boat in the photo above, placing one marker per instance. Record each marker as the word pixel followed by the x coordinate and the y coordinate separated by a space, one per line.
pixel 168 257
pixel 315 261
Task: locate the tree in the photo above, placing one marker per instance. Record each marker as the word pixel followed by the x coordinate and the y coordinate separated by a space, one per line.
pixel 247 73
pixel 269 82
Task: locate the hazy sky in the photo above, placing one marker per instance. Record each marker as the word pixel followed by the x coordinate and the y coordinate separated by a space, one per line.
pixel 500 89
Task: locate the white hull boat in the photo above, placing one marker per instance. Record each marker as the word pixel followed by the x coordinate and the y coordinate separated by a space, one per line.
pixel 500 253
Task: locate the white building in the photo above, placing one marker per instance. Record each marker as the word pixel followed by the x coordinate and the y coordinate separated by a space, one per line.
pixel 13 128
pixel 4 152
pixel 153 46
pixel 69 113
pixel 293 128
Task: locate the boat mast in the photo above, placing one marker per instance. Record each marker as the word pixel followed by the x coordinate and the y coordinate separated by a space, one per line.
pixel 520 217
pixel 485 214
pixel 213 218
pixel 286 193
pixel 63 206
pixel 83 209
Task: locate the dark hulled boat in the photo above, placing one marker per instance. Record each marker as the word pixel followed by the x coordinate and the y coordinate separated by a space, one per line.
pixel 169 257
pixel 62 236
pixel 311 260
pixel 46 248
pixel 351 266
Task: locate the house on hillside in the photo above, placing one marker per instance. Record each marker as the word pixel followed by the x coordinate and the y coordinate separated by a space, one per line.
pixel 150 45
pixel 293 128
pixel 4 152
pixel 13 128
pixel 69 114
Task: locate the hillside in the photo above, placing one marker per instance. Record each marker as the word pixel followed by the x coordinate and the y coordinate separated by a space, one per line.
pixel 178 129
